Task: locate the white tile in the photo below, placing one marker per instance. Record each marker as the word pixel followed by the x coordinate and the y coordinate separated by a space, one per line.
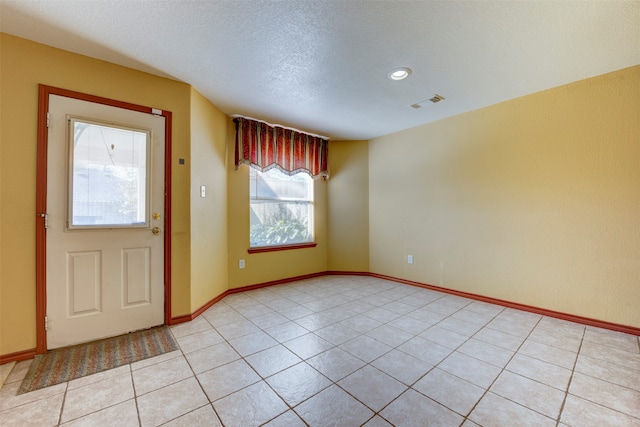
pixel 460 326
pixel 335 363
pixel 424 350
pixel 201 417
pixel 381 314
pixel 155 360
pixel 236 329
pixel 556 338
pixel 450 391
pixel 402 366
pixel 269 319
pixel 607 394
pixel 469 369
pixel 333 407
pixel 409 324
pixel 94 397
pixel 547 353
pixel 221 318
pixel 308 345
pixel 361 323
pixel 518 316
pixel 19 371
pixel 365 348
pixel 252 343
pixel 444 337
pixel 227 379
pixel 253 311
pixel 199 340
pixel 211 357
pixel 377 421
pixel 171 402
pixel 541 371
pixel 372 387
pixel 612 372
pixel 619 340
pixel 286 331
pixel 499 338
pixel 100 376
pixel 414 409
pixel 473 316
pixel 39 413
pixel 160 375
pixel 315 321
pixel 489 353
pixel 531 394
pixel 272 360
pixel 298 383
pixel 497 411
pixel 251 406
pixel 337 333
pixel 10 399
pixel 288 419
pixel 295 312
pixel 580 412
pixel 511 328
pixel 389 335
pixel 124 414
pixel 611 354
pixel 198 324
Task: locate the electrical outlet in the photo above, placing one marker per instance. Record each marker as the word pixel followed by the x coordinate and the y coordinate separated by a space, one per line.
pixel 241 264
pixel 410 259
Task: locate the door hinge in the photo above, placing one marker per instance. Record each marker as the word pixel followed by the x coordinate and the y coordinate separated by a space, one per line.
pixel 46 323
pixel 46 219
pixel 48 120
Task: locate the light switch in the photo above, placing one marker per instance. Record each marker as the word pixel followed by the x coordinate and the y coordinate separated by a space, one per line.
pixel 203 191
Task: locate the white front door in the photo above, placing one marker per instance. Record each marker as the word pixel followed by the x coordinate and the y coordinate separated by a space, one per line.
pixel 105 221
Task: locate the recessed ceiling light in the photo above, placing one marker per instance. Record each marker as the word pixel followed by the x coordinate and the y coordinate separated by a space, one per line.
pixel 399 73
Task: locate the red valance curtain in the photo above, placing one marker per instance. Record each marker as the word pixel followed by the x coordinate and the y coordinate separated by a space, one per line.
pixel 264 147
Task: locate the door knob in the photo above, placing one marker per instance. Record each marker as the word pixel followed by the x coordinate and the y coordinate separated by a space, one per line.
pixel 155 230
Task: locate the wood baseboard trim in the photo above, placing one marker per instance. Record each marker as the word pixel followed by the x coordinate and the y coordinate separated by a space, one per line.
pixel 537 310
pixel 198 312
pixel 17 356
pixel 276 282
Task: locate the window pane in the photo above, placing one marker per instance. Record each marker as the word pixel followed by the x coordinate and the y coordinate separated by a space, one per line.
pixel 281 208
pixel 109 175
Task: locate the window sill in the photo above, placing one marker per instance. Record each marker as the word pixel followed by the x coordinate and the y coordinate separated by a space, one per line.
pixel 261 249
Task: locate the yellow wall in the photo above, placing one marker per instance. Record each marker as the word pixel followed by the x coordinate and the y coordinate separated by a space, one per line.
pixel 269 266
pixel 23 66
pixel 348 205
pixel 208 214
pixel 535 200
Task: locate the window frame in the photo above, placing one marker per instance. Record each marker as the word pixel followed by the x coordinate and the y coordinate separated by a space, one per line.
pixel 311 203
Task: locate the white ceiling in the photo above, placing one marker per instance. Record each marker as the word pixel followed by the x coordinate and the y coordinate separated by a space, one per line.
pixel 322 65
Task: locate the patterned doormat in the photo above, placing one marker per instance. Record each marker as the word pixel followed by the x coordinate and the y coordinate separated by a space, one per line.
pixel 61 365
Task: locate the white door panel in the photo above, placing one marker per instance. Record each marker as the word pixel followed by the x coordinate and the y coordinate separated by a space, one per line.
pixel 105 272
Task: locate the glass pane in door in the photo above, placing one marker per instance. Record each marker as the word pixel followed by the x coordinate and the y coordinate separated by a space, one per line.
pixel 109 175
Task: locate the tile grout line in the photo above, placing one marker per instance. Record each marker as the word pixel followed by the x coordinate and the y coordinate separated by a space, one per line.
pixel 573 370
pixel 502 370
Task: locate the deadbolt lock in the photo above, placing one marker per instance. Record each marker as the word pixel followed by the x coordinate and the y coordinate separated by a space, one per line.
pixel 156 216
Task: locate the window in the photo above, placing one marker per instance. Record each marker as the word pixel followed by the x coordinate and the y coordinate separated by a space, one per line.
pixel 109 175
pixel 281 208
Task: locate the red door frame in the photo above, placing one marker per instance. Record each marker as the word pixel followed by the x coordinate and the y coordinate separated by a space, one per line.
pixel 44 92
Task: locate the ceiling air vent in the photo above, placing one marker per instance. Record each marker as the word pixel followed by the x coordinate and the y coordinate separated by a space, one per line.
pixel 435 99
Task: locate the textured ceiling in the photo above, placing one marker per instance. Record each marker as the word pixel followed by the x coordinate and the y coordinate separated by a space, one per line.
pixel 322 65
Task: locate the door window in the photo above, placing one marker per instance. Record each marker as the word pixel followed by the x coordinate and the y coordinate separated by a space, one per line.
pixel 108 175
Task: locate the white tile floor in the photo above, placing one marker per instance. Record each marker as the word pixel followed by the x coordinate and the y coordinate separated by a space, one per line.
pixel 352 351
